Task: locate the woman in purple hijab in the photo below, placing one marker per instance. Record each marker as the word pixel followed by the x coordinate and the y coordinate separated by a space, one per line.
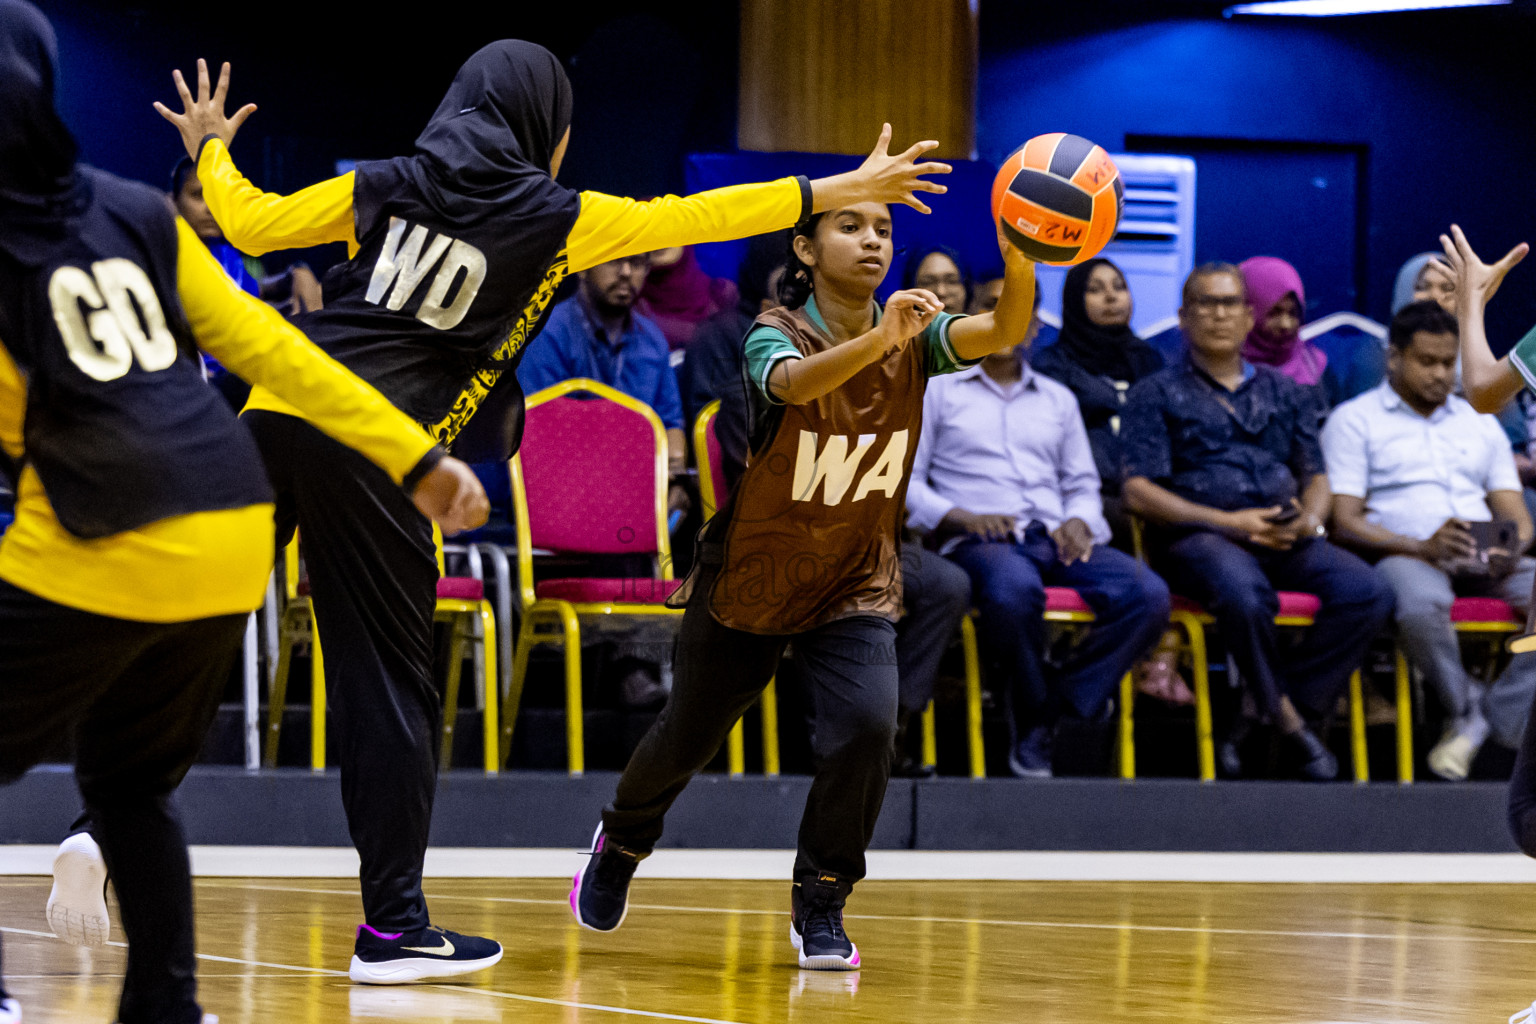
pixel 1278 299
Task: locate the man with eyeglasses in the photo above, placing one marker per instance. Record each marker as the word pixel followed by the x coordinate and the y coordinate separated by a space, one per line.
pixel 597 333
pixel 1222 459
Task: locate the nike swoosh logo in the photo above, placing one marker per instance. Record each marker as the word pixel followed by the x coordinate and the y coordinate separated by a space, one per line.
pixel 446 949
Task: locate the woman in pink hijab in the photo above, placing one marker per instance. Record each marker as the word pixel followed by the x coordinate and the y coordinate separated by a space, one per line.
pixel 1278 300
pixel 679 295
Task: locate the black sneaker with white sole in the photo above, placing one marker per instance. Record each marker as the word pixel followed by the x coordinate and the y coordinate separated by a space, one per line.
pixel 600 890
pixel 400 958
pixel 816 924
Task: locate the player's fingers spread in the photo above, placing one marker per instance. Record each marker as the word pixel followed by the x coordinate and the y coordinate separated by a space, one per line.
pixel 202 80
pixel 883 144
pixel 1514 256
pixel 917 149
pixel 165 112
pixel 181 87
pixel 222 89
pixel 930 186
pixel 241 114
pixel 916 203
pixel 933 167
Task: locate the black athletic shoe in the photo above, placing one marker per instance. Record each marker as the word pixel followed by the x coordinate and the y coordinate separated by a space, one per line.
pixel 600 891
pixel 816 924
pixel 400 958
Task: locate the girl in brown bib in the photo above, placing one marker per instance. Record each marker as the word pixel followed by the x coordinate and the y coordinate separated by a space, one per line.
pixel 806 553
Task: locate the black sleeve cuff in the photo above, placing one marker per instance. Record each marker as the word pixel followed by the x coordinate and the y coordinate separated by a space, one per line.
pixel 427 464
pixel 200 146
pixel 806 203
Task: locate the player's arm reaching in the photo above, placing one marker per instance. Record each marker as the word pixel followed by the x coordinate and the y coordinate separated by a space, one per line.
pixel 254 341
pixel 1489 383
pixel 607 227
pixel 974 337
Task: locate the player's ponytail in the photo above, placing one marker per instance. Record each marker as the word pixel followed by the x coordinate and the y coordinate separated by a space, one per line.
pixel 795 288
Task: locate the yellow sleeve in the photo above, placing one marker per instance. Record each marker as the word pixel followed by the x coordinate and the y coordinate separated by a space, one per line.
pixel 255 342
pixel 13 404
pixel 609 227
pixel 258 222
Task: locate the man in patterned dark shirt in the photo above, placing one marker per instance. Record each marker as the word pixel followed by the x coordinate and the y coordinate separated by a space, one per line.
pixel 1222 457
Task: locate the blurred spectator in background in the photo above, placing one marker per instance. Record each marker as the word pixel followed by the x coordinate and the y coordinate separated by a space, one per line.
pixel 294 291
pixel 1419 279
pixel 1279 304
pixel 1004 477
pixel 1411 465
pixel 679 296
pixel 714 358
pixel 1223 457
pixel 1098 357
pixel 984 293
pixel 939 269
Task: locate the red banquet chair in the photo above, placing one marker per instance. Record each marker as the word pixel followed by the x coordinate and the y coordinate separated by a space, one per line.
pixel 590 478
pixel 1484 618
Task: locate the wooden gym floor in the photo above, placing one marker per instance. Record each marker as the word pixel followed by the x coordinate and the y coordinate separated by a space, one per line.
pixel 274 950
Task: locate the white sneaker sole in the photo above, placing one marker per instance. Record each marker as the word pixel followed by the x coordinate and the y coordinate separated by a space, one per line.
pixel 576 891
pixel 77 906
pixel 410 970
pixel 851 962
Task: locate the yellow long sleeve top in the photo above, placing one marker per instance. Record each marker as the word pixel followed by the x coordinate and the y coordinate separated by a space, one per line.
pixel 606 228
pixel 206 563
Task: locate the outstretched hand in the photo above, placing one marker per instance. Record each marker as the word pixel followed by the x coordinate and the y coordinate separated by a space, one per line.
pixel 204 116
pixel 1473 277
pixel 453 496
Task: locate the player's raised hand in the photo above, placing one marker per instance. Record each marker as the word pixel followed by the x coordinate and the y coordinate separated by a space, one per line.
pixel 204 116
pixel 1474 278
pixel 453 496
pixel 882 178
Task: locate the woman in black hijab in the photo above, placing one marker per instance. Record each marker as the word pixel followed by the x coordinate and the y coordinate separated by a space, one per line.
pixel 143 534
pixel 455 254
pixel 1099 357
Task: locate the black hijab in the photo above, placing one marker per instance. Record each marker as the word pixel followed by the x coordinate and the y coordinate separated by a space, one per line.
pixel 38 184
pixel 1114 352
pixel 487 150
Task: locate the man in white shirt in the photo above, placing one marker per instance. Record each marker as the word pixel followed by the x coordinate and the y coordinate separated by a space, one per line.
pixel 1003 475
pixel 1411 465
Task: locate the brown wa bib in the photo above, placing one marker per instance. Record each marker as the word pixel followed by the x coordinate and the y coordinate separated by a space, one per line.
pixel 813 524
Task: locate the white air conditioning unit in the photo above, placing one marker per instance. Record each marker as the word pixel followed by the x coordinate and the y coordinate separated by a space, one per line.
pixel 1154 246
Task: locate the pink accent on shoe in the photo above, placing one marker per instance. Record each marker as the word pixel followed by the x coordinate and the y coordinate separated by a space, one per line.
pixel 855 960
pixel 386 936
pixel 575 888
pixel 602 841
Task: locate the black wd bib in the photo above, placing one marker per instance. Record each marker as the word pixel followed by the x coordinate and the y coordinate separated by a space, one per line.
pixel 120 426
pixel 434 311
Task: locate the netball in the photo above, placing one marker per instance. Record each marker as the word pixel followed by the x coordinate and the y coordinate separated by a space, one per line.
pixel 1058 199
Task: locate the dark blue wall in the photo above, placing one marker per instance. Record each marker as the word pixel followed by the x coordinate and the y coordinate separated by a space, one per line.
pixel 1442 104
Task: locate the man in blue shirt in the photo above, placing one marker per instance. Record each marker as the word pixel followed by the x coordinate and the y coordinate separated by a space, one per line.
pixel 1223 458
pixel 596 333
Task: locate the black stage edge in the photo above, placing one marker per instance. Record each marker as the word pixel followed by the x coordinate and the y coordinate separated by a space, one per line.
pixel 292 807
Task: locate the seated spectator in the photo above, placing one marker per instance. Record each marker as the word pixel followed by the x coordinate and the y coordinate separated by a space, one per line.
pixel 1279 305
pixel 1411 465
pixel 1098 357
pixel 1419 279
pixel 678 296
pixel 1004 477
pixel 940 270
pixel 1223 458
pixel 714 357
pixel 297 287
pixel 984 293
pixel 597 334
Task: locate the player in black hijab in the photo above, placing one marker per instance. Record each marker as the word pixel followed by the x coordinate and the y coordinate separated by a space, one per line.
pixel 456 252
pixel 143 531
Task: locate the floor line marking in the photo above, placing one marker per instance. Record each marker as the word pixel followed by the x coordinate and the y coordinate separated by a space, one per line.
pixel 653 1014
pixel 921 919
pixel 460 989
